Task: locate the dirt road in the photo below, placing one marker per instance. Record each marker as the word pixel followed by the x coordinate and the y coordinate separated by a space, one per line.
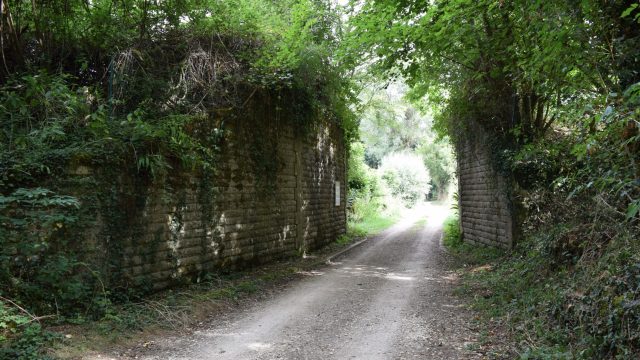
pixel 389 298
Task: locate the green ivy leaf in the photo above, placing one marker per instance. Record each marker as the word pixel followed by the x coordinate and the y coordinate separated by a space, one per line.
pixel 633 209
pixel 629 10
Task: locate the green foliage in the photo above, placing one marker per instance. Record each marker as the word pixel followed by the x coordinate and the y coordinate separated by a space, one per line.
pixel 369 211
pixel 406 177
pixel 582 311
pixel 30 222
pixel 343 239
pixel 599 157
pixel 373 224
pixel 389 124
pixel 360 177
pixel 439 161
pixel 185 57
pixel 364 192
pixel 49 122
pixel 21 335
pixel 632 9
pixel 452 237
pixel 465 253
pixel 512 66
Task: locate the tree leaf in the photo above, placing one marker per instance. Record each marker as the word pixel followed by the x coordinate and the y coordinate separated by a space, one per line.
pixel 633 209
pixel 629 10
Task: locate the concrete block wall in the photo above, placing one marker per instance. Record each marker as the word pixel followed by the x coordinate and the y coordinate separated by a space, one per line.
pixel 486 212
pixel 322 165
pixel 247 213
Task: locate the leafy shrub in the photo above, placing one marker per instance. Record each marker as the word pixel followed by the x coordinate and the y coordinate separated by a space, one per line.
pixel 598 158
pixel 34 224
pixel 21 334
pixel 364 187
pixel 439 161
pixel 360 176
pixel 451 228
pixel 406 177
pixel 581 307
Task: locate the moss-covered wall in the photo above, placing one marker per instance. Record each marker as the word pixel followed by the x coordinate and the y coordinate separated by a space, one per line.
pixel 271 195
pixel 487 213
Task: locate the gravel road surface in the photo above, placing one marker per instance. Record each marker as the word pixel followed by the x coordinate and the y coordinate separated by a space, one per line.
pixel 389 298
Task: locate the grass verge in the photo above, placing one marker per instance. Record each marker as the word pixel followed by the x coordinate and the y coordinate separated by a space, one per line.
pixel 466 254
pixel 371 225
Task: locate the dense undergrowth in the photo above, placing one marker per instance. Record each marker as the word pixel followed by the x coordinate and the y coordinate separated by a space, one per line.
pixel 569 289
pixel 573 280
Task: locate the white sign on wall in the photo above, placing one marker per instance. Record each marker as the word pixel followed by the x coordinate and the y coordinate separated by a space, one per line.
pixel 337 193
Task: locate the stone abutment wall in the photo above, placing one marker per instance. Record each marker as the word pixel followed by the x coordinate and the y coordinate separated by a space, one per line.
pixel 277 190
pixel 485 206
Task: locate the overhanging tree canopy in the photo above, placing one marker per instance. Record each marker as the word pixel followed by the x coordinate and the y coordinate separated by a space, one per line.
pixel 510 65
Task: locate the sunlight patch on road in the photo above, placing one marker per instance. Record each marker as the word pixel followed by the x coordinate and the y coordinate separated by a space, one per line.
pixel 259 346
pixel 311 273
pixel 208 333
pixel 377 272
pixel 398 277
